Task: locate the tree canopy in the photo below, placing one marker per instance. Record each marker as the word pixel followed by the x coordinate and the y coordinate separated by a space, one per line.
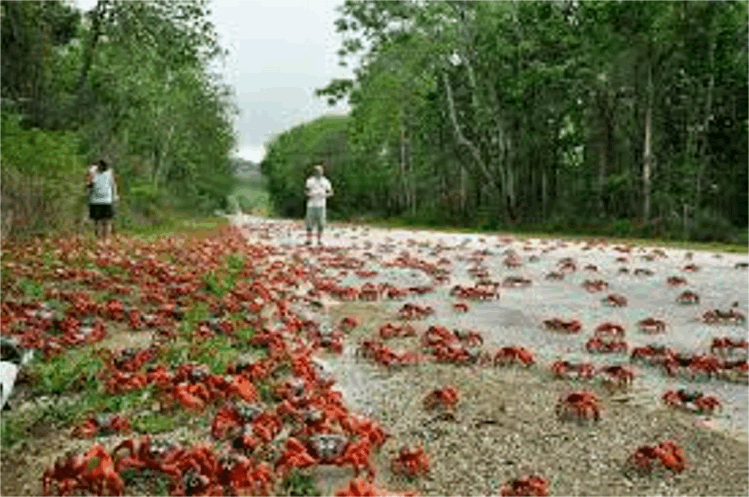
pixel 626 114
pixel 130 82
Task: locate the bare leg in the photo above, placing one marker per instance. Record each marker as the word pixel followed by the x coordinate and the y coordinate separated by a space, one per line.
pixel 107 229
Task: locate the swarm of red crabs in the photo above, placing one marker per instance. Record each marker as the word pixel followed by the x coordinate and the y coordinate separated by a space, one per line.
pixel 277 413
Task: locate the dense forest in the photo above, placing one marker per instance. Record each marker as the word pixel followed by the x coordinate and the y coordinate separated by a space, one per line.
pixel 130 82
pixel 615 117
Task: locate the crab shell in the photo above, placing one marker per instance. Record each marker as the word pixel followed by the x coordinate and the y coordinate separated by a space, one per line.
pixel 328 447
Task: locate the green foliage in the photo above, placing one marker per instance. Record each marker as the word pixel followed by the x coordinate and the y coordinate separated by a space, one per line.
pixel 235 263
pixel 159 423
pixel 30 288
pixel 299 483
pixel 74 370
pixel 290 158
pixel 217 285
pixel 216 352
pixel 134 85
pixel 514 114
pixel 16 427
pixel 40 171
pixel 712 226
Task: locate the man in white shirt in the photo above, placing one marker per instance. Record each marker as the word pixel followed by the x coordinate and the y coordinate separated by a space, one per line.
pixel 318 189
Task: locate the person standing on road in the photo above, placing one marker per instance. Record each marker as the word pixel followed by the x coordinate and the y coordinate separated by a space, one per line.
pixel 102 195
pixel 318 189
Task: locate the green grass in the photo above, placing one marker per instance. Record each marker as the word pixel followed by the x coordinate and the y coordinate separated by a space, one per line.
pixel 738 248
pixel 177 223
pixel 30 288
pixel 74 370
pixel 299 483
pixel 216 352
pixel 160 423
pixel 15 428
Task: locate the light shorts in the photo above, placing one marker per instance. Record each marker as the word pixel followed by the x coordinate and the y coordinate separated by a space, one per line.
pixel 315 218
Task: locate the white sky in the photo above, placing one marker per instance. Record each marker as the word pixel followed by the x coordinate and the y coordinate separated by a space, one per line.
pixel 280 51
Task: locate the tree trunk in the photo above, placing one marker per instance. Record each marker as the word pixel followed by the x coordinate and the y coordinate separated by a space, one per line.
pixel 459 133
pixel 705 127
pixel 647 154
pixel 543 194
pixel 88 52
pixel 404 181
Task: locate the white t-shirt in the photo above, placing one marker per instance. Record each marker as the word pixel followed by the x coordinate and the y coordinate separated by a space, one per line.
pixel 319 189
pixel 102 189
pixel 93 170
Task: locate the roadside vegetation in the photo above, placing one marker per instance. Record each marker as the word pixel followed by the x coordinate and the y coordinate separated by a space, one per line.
pixel 128 82
pixel 623 119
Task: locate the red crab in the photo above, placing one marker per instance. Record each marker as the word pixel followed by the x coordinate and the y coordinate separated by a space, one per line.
pixel 620 376
pixel 349 322
pixel 688 297
pixel 513 261
pixel 358 455
pixel 735 370
pixel 135 319
pixel 596 344
pixel 394 293
pixel 155 456
pixel 192 396
pixel 691 268
pixel 122 382
pixel 566 265
pixel 594 286
pixel 554 275
pixel 460 307
pixel 583 404
pixel 411 462
pixel 369 292
pixel 358 487
pixel 231 417
pixel 651 325
pixel 413 311
pixel 95 425
pixel 469 337
pixel 654 354
pixel 515 282
pixel 706 364
pixel 609 329
pixel 727 344
pixel 615 300
pixel 244 477
pixel 508 355
pixel 447 397
pixel 676 281
pixel 92 472
pixel 563 369
pixel 556 324
pixel 717 316
pixel 390 330
pixel 701 402
pixel 295 455
pixel 526 485
pixel 667 452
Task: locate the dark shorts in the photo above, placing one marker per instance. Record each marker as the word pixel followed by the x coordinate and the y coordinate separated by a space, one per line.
pixel 100 212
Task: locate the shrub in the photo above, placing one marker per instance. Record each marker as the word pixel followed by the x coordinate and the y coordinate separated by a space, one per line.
pixel 711 226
